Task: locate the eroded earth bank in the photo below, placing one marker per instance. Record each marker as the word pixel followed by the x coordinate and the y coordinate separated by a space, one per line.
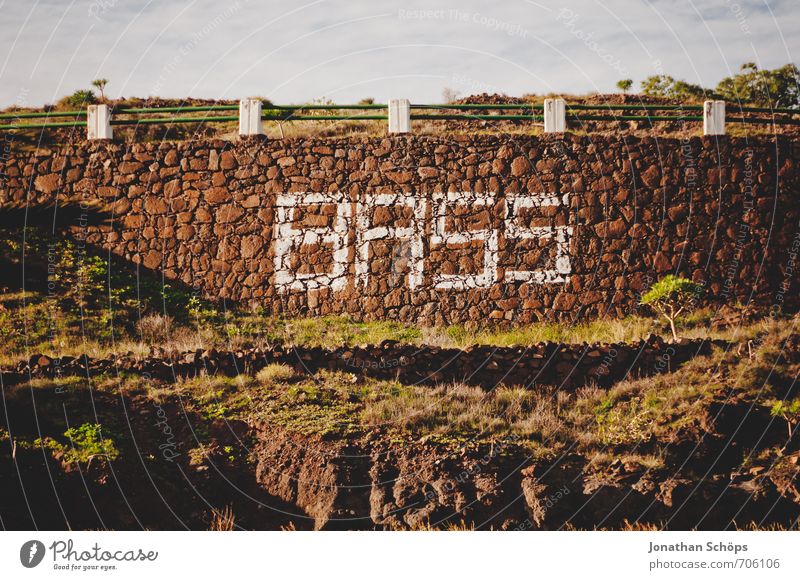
pixel 701 442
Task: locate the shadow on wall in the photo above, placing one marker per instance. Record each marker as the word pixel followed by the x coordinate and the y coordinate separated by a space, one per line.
pixel 80 282
pixel 504 229
pixel 28 237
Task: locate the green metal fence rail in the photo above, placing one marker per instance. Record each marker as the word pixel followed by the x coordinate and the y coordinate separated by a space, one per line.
pixel 467 107
pixel 679 118
pixel 608 107
pixel 325 118
pixel 531 112
pixel 43 114
pixel 171 120
pixel 477 117
pixel 187 109
pixel 43 125
pixel 324 107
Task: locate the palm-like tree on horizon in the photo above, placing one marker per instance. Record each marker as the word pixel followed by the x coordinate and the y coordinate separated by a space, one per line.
pixel 100 84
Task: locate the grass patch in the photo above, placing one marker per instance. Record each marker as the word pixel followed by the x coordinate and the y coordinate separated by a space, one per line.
pixel 654 410
pixel 460 410
pixel 275 373
pixel 172 319
pixel 623 330
pixel 335 331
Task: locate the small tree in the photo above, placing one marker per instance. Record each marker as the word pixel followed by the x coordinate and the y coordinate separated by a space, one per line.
pixel 449 95
pixel 100 85
pixel 625 85
pixel 657 85
pixel 670 88
pixel 779 87
pixel 789 411
pixel 671 296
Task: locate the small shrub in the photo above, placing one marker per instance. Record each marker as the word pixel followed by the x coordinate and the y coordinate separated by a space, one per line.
pixel 81 98
pixel 275 373
pixel 671 296
pixel 789 411
pixel 223 520
pixel 202 313
pixel 86 443
pixel 155 327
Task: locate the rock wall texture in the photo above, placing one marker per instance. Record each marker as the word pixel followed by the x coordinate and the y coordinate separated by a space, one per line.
pixel 436 229
pixel 561 365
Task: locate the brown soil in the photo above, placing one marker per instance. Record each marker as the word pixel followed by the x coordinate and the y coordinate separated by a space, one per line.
pixel 273 478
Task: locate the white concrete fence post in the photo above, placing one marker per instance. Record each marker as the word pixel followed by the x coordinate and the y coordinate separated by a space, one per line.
pixel 250 117
pixel 555 116
pixel 399 116
pixel 714 118
pixel 98 122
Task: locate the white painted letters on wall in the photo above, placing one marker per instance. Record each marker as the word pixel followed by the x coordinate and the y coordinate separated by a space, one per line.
pixel 366 232
pixel 289 238
pixel 515 203
pixel 291 235
pixel 444 202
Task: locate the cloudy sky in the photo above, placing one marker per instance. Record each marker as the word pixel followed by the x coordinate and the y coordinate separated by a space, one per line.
pixel 292 51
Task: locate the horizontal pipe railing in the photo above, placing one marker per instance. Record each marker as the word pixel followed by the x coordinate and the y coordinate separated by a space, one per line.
pixel 478 117
pixel 325 118
pixel 373 106
pixel 757 121
pixel 610 107
pixel 467 107
pixel 199 108
pixel 535 118
pixel 44 125
pixel 779 111
pixel 463 111
pixel 168 120
pixel 324 107
pixel 634 117
pixel 38 115
pixel 497 107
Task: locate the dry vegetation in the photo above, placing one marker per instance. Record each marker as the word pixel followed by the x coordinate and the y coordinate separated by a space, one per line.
pixel 30 323
pixel 638 422
pixel 649 412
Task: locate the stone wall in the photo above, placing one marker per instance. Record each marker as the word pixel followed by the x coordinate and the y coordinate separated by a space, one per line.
pixel 436 229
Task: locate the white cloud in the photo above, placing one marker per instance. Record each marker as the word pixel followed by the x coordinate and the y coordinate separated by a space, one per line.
pixel 296 50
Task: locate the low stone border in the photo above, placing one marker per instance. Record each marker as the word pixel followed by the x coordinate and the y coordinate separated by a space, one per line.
pixel 562 365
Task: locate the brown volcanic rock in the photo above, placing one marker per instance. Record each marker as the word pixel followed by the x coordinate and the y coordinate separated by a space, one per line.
pixel 563 365
pixel 625 201
pixel 47 183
